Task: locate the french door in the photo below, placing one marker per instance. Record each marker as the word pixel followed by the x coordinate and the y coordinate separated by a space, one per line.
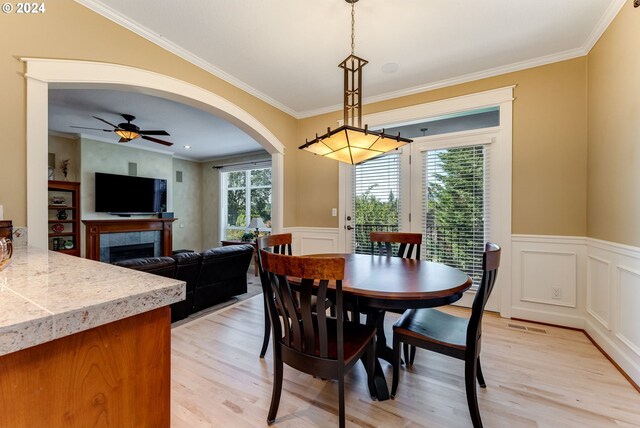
pixel 439 186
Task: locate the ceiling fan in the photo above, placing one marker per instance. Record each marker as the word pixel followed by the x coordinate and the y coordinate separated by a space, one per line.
pixel 128 131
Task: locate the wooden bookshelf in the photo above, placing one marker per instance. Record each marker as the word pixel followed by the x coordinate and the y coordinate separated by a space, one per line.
pixel 66 240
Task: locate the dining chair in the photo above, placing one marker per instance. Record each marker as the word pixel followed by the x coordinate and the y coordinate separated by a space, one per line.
pixel 307 340
pixel 451 335
pixel 408 248
pixel 409 244
pixel 278 244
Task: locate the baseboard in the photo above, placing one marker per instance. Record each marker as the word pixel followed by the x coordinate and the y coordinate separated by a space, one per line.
pixel 603 339
pixel 614 353
pixel 548 317
pixel 605 277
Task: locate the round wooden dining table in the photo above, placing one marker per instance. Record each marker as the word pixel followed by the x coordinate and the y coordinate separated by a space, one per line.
pixel 380 283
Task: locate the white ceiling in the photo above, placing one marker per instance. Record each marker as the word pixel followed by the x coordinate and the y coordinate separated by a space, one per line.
pixel 286 52
pixel 209 137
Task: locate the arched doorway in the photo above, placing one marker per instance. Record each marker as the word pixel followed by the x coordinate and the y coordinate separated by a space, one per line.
pixel 41 73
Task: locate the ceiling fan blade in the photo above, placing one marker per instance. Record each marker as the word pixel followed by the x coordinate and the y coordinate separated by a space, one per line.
pixel 155 140
pixel 97 129
pixel 145 132
pixel 108 123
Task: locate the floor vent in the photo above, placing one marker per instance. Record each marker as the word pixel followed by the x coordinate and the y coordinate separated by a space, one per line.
pixel 525 328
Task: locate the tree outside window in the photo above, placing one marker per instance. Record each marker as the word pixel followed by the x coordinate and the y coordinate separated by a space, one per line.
pixel 248 195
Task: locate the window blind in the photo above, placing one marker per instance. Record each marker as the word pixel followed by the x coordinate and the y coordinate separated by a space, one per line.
pixel 455 223
pixel 376 199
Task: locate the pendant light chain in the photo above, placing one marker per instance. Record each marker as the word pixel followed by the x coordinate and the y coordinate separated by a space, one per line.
pixel 350 143
pixel 353 27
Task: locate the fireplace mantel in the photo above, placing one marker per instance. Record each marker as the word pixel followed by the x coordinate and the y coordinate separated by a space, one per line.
pixel 96 227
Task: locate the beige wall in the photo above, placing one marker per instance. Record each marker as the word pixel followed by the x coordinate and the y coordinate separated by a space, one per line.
pixel 70 31
pixel 614 131
pixel 65 148
pixel 187 206
pixel 549 150
pixel 550 124
pixel 183 198
pixel 97 156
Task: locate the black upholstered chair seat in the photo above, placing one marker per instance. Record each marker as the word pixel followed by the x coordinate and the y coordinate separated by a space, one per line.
pixel 434 326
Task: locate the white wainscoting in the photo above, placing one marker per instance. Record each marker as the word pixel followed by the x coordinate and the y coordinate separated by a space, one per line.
pixel 569 281
pixel 604 277
pixel 546 275
pixel 612 317
pixel 313 240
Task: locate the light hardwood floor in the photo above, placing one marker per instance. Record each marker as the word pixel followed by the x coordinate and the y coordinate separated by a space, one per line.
pixel 553 379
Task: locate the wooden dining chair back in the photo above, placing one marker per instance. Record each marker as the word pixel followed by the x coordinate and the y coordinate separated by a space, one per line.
pixel 308 340
pixel 278 244
pixel 408 248
pixel 450 335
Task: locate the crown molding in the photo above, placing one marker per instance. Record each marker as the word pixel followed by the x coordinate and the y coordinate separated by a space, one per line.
pixel 65 135
pixel 254 155
pixel 523 65
pixel 157 39
pixel 602 25
pixel 144 32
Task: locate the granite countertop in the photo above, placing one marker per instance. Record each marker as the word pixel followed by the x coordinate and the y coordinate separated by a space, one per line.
pixel 46 295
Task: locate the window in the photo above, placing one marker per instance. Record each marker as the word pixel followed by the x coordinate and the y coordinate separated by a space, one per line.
pixel 246 194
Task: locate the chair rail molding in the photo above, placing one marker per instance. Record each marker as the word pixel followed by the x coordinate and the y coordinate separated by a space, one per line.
pixel 606 283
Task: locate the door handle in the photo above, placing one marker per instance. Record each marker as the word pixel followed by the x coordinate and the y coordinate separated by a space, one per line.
pixel 349 227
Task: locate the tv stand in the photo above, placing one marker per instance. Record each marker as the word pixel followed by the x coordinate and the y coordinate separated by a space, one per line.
pixel 94 228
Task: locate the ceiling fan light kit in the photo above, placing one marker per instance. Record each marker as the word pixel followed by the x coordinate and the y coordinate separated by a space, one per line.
pixel 350 143
pixel 129 131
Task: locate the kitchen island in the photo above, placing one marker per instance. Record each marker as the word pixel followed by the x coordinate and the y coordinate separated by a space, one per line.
pixel 83 343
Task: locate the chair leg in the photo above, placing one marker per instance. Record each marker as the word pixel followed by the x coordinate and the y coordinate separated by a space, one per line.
pixel 470 373
pixel 371 368
pixel 277 386
pixel 267 331
pixel 341 415
pixel 479 374
pixel 396 363
pixel 405 350
pixel 413 353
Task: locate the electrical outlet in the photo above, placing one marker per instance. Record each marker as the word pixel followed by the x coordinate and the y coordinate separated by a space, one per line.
pixel 556 293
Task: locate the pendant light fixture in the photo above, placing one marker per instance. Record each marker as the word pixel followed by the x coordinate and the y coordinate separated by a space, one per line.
pixel 351 143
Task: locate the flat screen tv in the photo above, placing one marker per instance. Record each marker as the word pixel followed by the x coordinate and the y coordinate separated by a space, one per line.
pixel 126 195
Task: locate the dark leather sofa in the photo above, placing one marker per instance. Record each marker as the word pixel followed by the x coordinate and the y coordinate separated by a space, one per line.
pixel 213 276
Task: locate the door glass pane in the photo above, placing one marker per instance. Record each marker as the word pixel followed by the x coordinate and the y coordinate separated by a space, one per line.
pixel 376 199
pixel 454 198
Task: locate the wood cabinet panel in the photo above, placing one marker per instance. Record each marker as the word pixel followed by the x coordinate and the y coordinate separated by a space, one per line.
pixel 115 375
